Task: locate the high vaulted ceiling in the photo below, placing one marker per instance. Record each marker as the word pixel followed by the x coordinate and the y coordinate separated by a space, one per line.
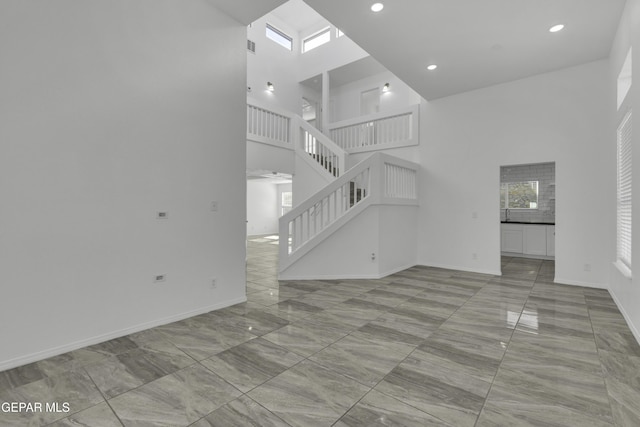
pixel 475 43
pixel 298 15
pixel 246 11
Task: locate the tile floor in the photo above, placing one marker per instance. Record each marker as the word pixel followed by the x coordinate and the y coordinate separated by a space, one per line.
pixel 424 347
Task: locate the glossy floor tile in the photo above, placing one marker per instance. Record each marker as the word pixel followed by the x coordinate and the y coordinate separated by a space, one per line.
pixel 422 347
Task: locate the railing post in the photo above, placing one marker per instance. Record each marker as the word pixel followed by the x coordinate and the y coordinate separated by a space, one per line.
pixel 283 246
pixel 376 178
pixel 341 164
pixel 294 136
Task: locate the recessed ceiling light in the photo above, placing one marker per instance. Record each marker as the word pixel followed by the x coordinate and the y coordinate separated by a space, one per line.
pixel 432 67
pixel 377 7
pixel 556 28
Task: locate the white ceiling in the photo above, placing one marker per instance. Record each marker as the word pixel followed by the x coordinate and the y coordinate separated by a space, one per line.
pixel 246 11
pixel 356 70
pixel 269 176
pixel 476 43
pixel 298 15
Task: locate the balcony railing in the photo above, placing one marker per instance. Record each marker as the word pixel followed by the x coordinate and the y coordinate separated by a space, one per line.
pixel 378 131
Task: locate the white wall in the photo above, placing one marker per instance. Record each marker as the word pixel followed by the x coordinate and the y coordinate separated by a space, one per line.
pixel 560 116
pixel 114 110
pixel 626 292
pixel 273 63
pixel 398 238
pixel 262 208
pixel 358 238
pixel 329 56
pixel 307 180
pixel 269 157
pixel 346 98
pixel 386 231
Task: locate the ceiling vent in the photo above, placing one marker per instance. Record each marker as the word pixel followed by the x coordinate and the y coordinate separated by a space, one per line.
pixel 251 46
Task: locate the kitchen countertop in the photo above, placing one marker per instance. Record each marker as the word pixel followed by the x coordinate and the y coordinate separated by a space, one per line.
pixel 528 222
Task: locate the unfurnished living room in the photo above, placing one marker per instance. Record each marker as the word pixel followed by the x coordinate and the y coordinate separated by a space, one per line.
pixel 318 213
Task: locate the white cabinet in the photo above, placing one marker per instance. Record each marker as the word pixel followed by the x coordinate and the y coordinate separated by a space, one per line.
pixel 537 240
pixel 551 240
pixel 534 240
pixel 511 238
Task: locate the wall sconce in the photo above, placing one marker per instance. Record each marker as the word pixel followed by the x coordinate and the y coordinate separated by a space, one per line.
pixel 385 88
pixel 270 87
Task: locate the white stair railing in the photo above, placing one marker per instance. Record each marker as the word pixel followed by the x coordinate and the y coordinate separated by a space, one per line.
pixel 269 125
pixel 378 131
pixel 378 179
pixel 325 153
pixel 400 182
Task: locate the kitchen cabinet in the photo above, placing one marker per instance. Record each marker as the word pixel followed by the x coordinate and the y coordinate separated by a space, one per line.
pixel 511 238
pixel 551 240
pixel 534 240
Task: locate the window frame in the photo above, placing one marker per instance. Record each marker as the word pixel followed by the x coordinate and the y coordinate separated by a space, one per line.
pixel 286 202
pixel 504 186
pixel 624 198
pixel 315 36
pixel 270 29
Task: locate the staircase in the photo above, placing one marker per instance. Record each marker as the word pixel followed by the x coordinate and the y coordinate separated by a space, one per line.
pixel 380 180
pixel 353 200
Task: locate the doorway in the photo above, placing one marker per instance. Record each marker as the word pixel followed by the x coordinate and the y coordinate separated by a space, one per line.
pixel 527 212
pixel 370 102
pixel 310 110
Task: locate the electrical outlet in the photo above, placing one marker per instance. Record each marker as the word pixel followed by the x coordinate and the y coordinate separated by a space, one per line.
pixel 587 267
pixel 214 206
pixel 474 255
pixel 214 283
pixel 160 278
pixel 162 215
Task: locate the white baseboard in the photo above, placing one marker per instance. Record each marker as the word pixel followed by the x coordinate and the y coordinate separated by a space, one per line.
pixel 466 269
pixel 41 355
pixel 632 327
pixel 561 281
pixel 517 255
pixel 347 276
pixel 330 277
pixel 396 270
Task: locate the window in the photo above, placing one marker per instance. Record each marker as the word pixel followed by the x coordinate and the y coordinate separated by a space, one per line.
pixel 287 202
pixel 519 195
pixel 318 39
pixel 624 192
pixel 279 37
